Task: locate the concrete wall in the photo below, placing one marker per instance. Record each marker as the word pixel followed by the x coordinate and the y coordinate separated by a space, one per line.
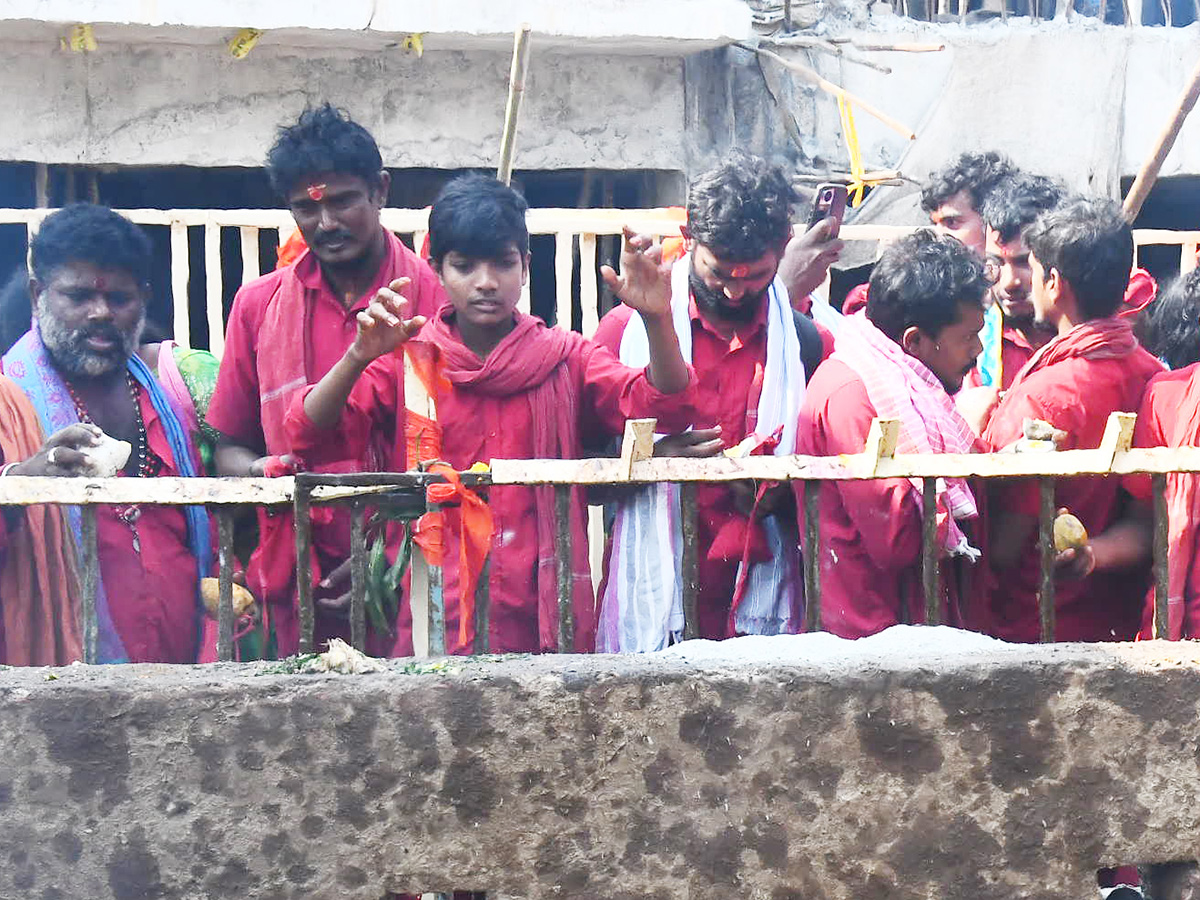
pixel 909 773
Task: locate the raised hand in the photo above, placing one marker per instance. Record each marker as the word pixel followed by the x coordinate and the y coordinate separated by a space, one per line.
pixel 645 280
pixel 807 259
pixel 382 326
pixel 698 443
pixel 63 453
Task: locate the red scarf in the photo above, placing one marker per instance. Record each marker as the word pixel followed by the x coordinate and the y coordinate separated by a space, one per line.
pixel 530 360
pixel 1183 507
pixel 1110 338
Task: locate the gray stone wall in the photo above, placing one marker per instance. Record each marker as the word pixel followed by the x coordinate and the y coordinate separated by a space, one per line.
pixel 1013 773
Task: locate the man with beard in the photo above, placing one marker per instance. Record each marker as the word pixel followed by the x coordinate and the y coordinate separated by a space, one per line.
pixel 903 358
pixel 1010 208
pixel 1081 254
pixel 76 375
pixel 287 329
pixel 750 353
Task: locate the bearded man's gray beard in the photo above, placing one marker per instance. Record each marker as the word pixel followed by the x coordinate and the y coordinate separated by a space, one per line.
pixel 71 354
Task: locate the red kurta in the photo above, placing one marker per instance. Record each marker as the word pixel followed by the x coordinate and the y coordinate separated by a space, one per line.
pixel 236 410
pixel 729 381
pixel 870 531
pixel 1075 394
pixel 479 427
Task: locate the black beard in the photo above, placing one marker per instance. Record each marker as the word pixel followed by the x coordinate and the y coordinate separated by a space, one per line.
pixel 713 301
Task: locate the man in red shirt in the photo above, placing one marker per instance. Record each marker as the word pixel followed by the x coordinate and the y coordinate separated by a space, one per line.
pixel 901 358
pixel 1010 208
pixel 288 328
pixel 1081 254
pixel 751 353
pixel 81 376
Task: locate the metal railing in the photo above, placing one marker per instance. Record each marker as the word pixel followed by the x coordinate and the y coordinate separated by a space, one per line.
pixel 878 460
pixel 575 231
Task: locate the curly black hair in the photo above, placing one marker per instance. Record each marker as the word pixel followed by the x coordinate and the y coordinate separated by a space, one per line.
pixel 1016 202
pixel 741 208
pixel 1091 245
pixel 921 280
pixel 976 173
pixel 324 139
pixel 85 232
pixel 477 216
pixel 1171 325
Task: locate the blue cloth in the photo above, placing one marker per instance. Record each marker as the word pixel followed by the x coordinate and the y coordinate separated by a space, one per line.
pixel 991 337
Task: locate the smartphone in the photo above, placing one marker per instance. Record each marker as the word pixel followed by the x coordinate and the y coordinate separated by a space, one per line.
pixel 830 202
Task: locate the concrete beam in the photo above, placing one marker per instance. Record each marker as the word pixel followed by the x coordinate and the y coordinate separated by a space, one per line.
pixel 902 771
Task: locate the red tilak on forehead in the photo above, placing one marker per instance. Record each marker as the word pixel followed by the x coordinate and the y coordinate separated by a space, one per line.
pixel 316 191
pixel 739 271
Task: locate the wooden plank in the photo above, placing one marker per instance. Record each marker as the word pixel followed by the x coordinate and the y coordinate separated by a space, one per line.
pixel 90 623
pixel 1046 608
pixel 1187 257
pixel 180 273
pixel 483 608
pixel 589 287
pixel 564 265
pixel 418 600
pixel 1162 621
pixel 225 560
pixel 637 443
pixel 881 443
pixel 214 290
pixel 436 604
pixel 1118 435
pixel 691 559
pixel 1142 236
pixel 251 267
pixel 812 556
pixel 563 553
pixel 23 490
pixel 418 239
pixel 596 540
pixel 358 575
pixel 930 574
pixel 302 522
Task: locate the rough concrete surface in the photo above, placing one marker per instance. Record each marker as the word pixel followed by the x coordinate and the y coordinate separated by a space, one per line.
pixel 983 774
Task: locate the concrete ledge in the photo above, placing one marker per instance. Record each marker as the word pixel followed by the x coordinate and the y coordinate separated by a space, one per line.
pixel 1001 773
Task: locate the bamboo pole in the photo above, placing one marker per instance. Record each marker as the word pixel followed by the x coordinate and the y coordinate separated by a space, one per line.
pixel 1148 174
pixel 516 90
pixel 811 76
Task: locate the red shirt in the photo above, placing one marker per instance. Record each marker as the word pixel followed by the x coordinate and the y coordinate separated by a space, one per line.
pixel 870 531
pixel 729 376
pixel 478 427
pixel 1076 395
pixel 1015 351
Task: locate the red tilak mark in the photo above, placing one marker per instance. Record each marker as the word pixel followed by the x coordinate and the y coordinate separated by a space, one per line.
pixel 316 191
pixel 739 271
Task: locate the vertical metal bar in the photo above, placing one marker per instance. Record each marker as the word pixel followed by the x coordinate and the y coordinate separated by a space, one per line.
pixel 1046 542
pixel 358 575
pixel 483 601
pixel 91 584
pixel 301 507
pixel 930 570
pixel 1162 629
pixel 691 559
pixel 224 584
pixel 563 551
pixel 437 604
pixel 812 555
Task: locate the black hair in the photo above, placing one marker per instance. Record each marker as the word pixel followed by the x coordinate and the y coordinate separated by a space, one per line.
pixel 742 208
pixel 1017 202
pixel 1091 245
pixel 1170 326
pixel 976 173
pixel 16 312
pixel 84 232
pixel 324 139
pixel 921 280
pixel 478 216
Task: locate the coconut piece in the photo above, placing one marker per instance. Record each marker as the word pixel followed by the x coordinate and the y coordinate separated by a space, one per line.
pixel 210 593
pixel 343 659
pixel 107 458
pixel 1069 533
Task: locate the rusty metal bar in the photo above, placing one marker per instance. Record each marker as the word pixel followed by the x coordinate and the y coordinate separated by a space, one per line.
pixel 812 556
pixel 301 508
pixel 225 615
pixel 563 551
pixel 1162 622
pixel 1046 543
pixel 91 584
pixel 483 611
pixel 437 603
pixel 358 575
pixel 691 561
pixel 930 569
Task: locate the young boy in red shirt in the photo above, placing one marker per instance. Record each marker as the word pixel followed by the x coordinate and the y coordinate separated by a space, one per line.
pixel 505 386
